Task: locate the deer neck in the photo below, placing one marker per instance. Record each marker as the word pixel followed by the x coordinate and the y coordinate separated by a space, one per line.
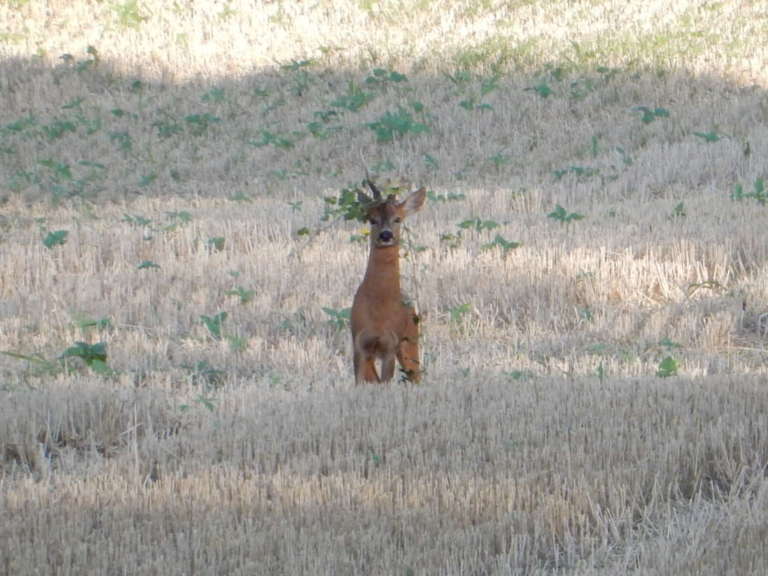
pixel 382 276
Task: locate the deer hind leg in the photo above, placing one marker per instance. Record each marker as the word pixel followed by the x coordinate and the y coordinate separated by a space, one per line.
pixel 408 350
pixel 365 368
pixel 388 367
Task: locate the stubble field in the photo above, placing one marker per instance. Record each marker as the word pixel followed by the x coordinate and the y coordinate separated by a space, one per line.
pixel 591 267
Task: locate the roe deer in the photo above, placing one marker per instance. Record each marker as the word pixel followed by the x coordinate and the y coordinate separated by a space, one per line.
pixel 384 325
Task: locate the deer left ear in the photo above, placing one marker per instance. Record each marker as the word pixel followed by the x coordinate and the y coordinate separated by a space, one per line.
pixel 415 201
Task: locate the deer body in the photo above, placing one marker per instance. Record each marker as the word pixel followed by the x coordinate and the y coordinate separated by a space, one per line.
pixel 384 326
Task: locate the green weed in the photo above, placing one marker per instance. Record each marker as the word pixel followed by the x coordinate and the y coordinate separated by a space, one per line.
pixel 128 14
pixel 667 367
pixel 277 140
pixel 216 243
pixel 457 313
pixel 709 137
pixel 354 99
pixel 199 123
pixel 148 265
pixel 581 172
pixel 214 324
pixel 55 238
pixel 758 192
pixel 650 115
pixel 562 215
pixel 346 205
pixel 245 296
pixel 478 225
pixel 381 76
pixel 395 125
pixel 340 318
pixel 93 355
pixel 500 242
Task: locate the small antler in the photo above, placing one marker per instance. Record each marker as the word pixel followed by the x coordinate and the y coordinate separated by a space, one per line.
pixel 372 186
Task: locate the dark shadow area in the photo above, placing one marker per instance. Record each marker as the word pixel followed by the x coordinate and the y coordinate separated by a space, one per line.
pixel 80 130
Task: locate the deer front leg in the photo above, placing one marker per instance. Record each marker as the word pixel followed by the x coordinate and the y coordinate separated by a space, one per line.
pixel 408 350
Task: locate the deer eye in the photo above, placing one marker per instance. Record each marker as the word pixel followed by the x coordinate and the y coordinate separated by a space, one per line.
pixel 373 221
pixel 398 220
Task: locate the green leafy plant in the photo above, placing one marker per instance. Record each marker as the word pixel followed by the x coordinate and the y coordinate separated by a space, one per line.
pixel 396 125
pixel 322 131
pixel 122 139
pixel 478 225
pixel 500 242
pixel 213 96
pixel 55 238
pixel 277 140
pixel 457 313
pixel 449 197
pixel 354 99
pixel 340 318
pixel 650 115
pixel 214 324
pixel 136 220
pixel 500 159
pixel 709 137
pixel 473 104
pixel 382 76
pixel 216 243
pixel 237 343
pixel 669 344
pixel 578 171
pixel 626 159
pixel 176 219
pixel 562 215
pixel 199 123
pixel 148 265
pixel 147 179
pixel 518 375
pixel 678 211
pixel 245 295
pixel 450 239
pixel 542 89
pixel 758 192
pixel 667 367
pixel 94 356
pixel 84 322
pixel 167 126
pixel 128 14
pixel 299 74
pixel 58 128
pixel 345 205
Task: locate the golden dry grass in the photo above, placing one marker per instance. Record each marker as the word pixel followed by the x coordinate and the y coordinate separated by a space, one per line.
pixel 549 435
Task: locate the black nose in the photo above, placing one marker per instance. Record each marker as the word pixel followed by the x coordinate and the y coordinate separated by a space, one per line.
pixel 386 236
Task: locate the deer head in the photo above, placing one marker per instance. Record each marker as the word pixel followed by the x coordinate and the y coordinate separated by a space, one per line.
pixel 386 215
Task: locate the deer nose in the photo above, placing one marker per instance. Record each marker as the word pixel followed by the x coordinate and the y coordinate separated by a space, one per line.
pixel 386 236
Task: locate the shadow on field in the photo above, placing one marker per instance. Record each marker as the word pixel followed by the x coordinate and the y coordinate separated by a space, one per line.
pixel 80 129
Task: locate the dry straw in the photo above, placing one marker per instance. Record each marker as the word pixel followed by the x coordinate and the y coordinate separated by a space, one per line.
pixel 591 265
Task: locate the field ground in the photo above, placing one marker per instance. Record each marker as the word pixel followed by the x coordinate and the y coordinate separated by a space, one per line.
pixel 591 267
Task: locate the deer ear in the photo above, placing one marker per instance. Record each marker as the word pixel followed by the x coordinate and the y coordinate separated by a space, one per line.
pixel 415 201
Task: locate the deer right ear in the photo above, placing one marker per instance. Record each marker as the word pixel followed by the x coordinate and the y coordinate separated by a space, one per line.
pixel 415 201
